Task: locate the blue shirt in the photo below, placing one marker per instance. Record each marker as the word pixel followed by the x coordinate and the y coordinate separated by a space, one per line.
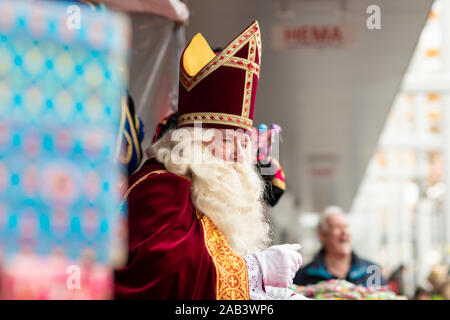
pixel 363 272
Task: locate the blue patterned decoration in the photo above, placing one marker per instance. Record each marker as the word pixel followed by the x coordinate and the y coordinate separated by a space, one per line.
pixel 61 91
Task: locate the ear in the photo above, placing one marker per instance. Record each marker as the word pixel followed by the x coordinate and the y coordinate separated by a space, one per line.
pixel 321 237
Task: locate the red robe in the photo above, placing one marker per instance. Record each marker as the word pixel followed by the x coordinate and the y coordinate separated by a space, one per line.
pixel 174 251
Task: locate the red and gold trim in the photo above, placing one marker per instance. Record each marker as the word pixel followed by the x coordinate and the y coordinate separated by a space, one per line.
pixel 243 64
pixel 127 193
pixel 231 269
pixel 246 99
pixel 218 118
pixel 156 172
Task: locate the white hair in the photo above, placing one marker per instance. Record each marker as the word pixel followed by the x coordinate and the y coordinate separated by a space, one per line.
pixel 229 193
pixel 328 212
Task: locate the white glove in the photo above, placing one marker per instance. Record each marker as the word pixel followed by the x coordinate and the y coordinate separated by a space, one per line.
pixel 279 264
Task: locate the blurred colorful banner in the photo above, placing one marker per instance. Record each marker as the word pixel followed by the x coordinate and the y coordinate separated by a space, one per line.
pixel 63 73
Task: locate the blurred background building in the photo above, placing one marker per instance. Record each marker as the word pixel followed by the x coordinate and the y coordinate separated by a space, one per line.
pixel 401 211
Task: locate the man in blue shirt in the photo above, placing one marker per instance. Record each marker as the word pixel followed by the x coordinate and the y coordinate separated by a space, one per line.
pixel 336 260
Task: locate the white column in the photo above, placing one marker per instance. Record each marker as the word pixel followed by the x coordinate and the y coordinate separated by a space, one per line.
pixel 445 20
pixel 423 239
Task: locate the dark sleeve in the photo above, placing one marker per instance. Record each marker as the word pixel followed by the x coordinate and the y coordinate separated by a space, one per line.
pixel 272 193
pixel 272 190
pixel 301 278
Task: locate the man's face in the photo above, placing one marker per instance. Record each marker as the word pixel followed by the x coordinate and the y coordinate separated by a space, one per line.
pixel 337 239
pixel 230 145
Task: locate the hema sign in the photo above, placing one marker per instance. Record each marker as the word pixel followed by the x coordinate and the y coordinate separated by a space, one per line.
pixel 342 33
pixel 288 36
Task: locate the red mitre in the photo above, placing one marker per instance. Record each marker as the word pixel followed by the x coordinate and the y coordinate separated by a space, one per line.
pixel 220 90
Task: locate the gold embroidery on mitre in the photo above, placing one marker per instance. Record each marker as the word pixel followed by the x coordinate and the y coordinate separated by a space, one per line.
pixel 248 83
pixel 231 269
pixel 243 64
pixel 251 35
pixel 215 117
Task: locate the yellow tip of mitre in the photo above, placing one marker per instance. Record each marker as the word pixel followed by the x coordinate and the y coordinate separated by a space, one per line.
pixel 197 54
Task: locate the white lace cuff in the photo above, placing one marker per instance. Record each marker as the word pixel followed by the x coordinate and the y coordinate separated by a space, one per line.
pixel 255 280
pixel 274 293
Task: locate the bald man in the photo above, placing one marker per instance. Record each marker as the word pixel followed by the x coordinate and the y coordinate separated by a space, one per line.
pixel 336 260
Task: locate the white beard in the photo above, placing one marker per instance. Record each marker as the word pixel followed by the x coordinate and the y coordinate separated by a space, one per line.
pixel 229 193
